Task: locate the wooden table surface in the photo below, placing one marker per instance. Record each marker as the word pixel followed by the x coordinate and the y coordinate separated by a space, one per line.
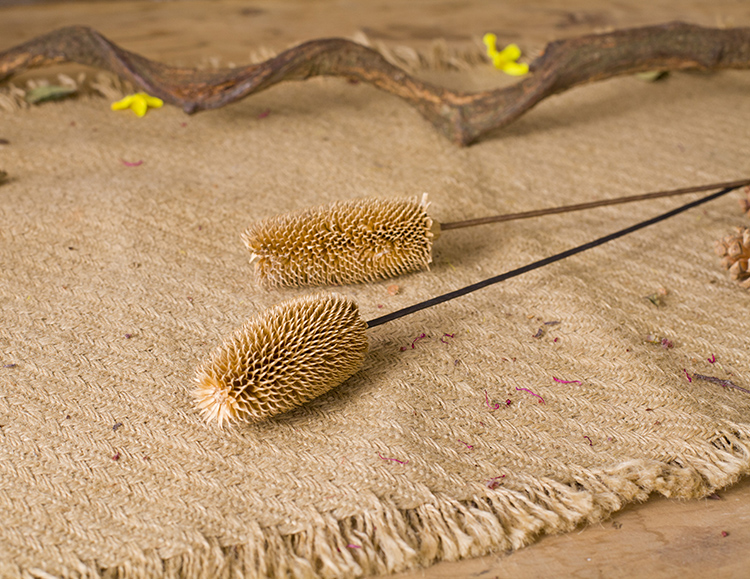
pixel 659 538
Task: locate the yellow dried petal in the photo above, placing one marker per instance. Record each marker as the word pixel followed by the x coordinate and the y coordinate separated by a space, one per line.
pixel 139 103
pixel 515 68
pixel 510 53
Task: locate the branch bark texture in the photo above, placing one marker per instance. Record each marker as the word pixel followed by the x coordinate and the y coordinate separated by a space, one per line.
pixel 461 116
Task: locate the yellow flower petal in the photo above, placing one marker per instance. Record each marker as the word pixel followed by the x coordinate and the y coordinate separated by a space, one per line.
pixel 122 104
pixel 490 41
pixel 505 59
pixel 139 107
pixel 498 61
pixel 152 101
pixel 511 52
pixel 139 103
pixel 516 68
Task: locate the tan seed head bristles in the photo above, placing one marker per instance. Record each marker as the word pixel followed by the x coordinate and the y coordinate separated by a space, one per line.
pixel 341 243
pixel 735 253
pixel 745 203
pixel 276 361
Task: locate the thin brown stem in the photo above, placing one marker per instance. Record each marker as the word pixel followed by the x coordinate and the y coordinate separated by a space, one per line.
pixel 462 117
pixel 590 205
pixel 544 262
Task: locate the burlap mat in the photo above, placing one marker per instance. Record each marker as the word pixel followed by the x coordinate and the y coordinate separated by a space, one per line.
pixel 117 280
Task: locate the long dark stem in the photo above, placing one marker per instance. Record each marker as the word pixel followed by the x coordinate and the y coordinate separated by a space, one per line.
pixel 546 261
pixel 591 205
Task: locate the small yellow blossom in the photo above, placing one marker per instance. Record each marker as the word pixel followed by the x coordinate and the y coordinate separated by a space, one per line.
pixel 140 102
pixel 505 59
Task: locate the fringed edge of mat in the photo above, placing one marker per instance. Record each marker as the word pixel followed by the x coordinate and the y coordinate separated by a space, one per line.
pixel 390 540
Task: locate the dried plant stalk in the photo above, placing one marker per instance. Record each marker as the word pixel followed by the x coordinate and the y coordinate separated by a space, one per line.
pixel 305 347
pixel 462 117
pixel 366 240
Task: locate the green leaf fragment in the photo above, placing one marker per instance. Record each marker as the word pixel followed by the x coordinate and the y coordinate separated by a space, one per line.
pixel 652 75
pixel 51 92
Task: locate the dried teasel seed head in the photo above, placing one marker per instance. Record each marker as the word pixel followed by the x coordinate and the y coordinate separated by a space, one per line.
pixel 276 361
pixel 344 242
pixel 735 253
pixel 745 203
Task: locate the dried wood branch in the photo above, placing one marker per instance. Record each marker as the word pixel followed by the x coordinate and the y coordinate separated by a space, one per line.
pixel 462 117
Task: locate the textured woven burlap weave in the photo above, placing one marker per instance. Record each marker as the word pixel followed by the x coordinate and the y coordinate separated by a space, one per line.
pixel 118 279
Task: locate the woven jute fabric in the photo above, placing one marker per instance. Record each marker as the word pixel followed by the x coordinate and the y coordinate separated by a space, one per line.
pixel 120 277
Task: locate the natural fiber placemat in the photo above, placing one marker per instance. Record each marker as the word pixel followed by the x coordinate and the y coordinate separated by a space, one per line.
pixel 120 276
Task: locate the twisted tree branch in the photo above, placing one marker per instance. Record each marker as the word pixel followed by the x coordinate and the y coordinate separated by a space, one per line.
pixel 462 117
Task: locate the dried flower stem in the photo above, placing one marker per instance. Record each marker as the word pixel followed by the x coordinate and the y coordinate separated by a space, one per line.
pixel 541 400
pixel 720 382
pixel 462 117
pixel 543 262
pixel 566 381
pixel 492 407
pixel 392 459
pixel 589 205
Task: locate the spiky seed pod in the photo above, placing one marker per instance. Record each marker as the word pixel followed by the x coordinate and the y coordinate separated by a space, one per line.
pixel 288 355
pixel 745 203
pixel 735 253
pixel 343 242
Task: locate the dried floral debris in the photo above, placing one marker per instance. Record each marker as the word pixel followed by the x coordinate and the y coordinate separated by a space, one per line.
pixel 665 343
pixel 381 457
pixel 734 251
pixel 657 298
pixel 721 382
pixel 565 381
pixel 541 400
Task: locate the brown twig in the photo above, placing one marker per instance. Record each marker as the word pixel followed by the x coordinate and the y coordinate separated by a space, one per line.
pixel 589 205
pixel 461 117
